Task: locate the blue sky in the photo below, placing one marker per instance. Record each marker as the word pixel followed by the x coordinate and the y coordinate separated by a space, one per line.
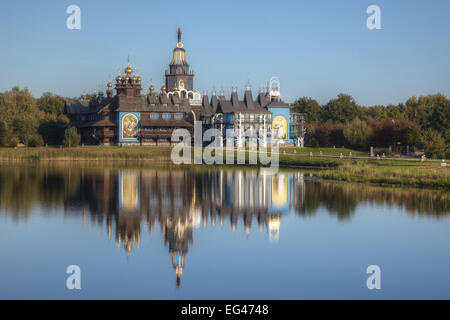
pixel 317 48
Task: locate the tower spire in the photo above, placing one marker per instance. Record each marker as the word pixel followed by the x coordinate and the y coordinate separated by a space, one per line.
pixel 179 34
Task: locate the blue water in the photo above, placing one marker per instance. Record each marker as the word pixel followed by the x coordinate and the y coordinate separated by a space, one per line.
pixel 243 235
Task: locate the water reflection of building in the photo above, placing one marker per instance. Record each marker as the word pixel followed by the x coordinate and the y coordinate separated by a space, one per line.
pixel 181 200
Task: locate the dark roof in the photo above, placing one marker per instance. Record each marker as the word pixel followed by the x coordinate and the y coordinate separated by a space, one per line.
pixel 278 104
pixel 100 123
pixel 214 103
pixel 77 107
pixel 86 106
pixel 165 103
pixel 235 106
pixel 207 110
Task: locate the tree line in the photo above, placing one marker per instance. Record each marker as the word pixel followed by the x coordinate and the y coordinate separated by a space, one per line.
pixel 418 124
pixel 33 122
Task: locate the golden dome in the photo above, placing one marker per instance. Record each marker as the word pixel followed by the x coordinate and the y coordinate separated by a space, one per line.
pixel 109 85
pixel 126 79
pixel 163 88
pixel 128 70
pixel 134 79
pixel 175 89
pixel 151 88
pixel 139 79
pixel 119 78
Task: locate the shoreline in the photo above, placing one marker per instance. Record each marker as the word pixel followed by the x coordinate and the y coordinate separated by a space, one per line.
pixel 381 172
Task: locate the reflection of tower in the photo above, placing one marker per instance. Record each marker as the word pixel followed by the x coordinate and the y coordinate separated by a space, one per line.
pixel 128 228
pixel 296 190
pixel 178 263
pixel 279 190
pixel 178 236
pixel 178 230
pixel 129 190
pixel 273 227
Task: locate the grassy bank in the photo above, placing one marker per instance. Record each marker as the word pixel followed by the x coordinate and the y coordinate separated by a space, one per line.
pixel 86 153
pixel 402 173
pixel 389 172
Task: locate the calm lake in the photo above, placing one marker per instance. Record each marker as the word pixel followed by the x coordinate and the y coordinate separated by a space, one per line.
pixel 215 233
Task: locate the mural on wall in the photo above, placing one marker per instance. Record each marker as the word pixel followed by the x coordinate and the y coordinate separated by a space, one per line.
pixel 280 128
pixel 130 126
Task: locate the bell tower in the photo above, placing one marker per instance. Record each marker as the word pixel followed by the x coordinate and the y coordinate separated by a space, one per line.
pixel 179 76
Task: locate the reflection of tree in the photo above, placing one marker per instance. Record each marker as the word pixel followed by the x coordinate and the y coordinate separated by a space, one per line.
pixel 343 198
pixel 25 186
pixel 332 196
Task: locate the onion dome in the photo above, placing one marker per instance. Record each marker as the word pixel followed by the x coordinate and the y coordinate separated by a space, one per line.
pixel 128 70
pixel 119 78
pixel 151 88
pixel 139 79
pixel 175 89
pixel 127 79
pixel 109 85
pixel 100 93
pixel 134 79
pixel 163 88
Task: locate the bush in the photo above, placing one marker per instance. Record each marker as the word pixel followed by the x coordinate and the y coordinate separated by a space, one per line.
pixel 3 134
pixel 358 133
pixel 52 131
pixel 433 144
pixel 71 137
pixel 36 141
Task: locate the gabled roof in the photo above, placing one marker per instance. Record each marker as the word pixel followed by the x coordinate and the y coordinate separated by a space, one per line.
pixel 207 110
pixel 165 103
pixel 278 104
pixel 235 106
pixel 73 107
pixel 77 107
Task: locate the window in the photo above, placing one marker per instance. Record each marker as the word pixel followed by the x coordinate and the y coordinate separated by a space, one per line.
pixel 166 116
pixel 178 116
pixel 154 116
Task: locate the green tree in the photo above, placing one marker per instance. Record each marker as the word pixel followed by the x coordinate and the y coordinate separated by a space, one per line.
pixel 71 137
pixel 52 129
pixel 341 110
pixel 36 141
pixel 357 133
pixel 433 144
pixel 25 128
pixel 310 107
pixel 3 134
pixel 50 103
